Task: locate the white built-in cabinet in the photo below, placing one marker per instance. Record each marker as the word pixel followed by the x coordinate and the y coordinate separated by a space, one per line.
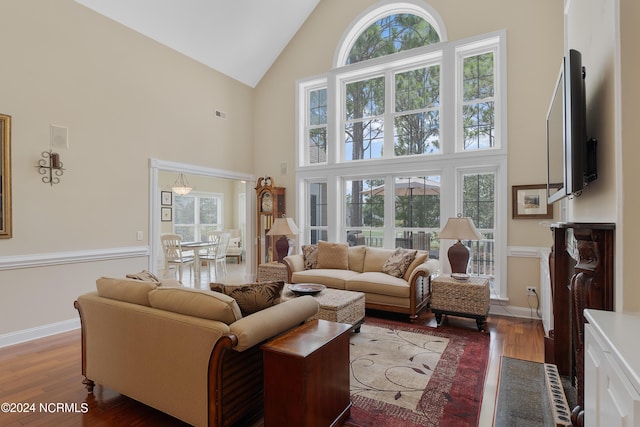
pixel 612 369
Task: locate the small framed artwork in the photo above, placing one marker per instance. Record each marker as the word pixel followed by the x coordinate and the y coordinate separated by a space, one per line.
pixel 166 198
pixel 530 201
pixel 165 214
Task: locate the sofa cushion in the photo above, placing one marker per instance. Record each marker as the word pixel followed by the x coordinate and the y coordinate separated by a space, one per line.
pixel 196 302
pixel 375 258
pixel 378 283
pixel 127 290
pixel 252 297
pixel 310 255
pixel 332 278
pixel 333 255
pixel 396 265
pixel 356 257
pixel 421 257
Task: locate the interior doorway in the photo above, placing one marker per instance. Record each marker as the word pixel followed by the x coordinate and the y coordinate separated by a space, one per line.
pixel 232 187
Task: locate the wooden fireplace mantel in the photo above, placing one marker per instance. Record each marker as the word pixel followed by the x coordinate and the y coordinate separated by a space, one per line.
pixel 581 268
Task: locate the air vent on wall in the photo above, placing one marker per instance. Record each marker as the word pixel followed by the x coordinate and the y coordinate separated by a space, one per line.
pixel 221 114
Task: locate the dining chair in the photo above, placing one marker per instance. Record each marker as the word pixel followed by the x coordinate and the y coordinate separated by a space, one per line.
pixel 173 254
pixel 208 255
pixel 221 253
pixel 234 248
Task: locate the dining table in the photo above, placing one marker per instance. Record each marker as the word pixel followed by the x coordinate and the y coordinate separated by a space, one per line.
pixel 197 247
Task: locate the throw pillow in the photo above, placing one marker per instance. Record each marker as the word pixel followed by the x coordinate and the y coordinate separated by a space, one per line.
pixel 398 262
pixel 333 255
pixel 253 297
pixel 145 276
pixel 310 256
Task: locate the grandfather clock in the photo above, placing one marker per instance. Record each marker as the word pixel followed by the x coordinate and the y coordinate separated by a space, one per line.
pixel 270 205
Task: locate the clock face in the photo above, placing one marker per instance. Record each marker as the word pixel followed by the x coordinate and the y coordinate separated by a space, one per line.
pixel 267 202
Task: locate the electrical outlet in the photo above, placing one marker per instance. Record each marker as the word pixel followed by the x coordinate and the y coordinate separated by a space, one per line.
pixel 531 290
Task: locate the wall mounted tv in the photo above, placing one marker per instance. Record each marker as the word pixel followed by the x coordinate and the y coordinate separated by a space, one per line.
pixel 571 155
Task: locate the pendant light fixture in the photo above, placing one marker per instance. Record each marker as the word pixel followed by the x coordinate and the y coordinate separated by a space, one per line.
pixel 181 186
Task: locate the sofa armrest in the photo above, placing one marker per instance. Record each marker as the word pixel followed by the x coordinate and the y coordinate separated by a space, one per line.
pixel 294 263
pixel 425 269
pixel 267 323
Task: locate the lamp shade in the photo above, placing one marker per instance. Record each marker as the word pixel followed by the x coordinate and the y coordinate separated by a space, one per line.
pixel 283 227
pixel 460 228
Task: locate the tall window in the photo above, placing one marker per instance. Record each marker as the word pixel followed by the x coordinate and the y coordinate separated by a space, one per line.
pixel 409 129
pixel 196 215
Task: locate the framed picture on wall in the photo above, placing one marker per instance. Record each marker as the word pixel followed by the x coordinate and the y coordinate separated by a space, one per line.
pixel 530 201
pixel 166 198
pixel 165 214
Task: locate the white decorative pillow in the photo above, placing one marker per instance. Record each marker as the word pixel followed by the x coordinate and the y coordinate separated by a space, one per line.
pixel 398 262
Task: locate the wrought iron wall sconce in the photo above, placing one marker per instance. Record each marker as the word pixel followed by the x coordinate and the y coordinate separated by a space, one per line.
pixel 51 167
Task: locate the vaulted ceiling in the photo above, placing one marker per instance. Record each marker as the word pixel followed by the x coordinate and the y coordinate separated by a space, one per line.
pixel 239 38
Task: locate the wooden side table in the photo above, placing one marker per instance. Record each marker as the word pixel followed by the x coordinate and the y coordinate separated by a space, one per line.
pixel 272 271
pixel 306 376
pixel 468 298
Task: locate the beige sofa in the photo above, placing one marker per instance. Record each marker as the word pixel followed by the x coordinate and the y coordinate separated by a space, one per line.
pixel 186 352
pixel 360 268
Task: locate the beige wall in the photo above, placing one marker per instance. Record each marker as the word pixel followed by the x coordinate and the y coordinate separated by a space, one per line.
pixel 534 59
pixel 628 232
pixel 125 99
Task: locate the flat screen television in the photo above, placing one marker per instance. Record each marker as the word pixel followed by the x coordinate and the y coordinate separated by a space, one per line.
pixel 571 155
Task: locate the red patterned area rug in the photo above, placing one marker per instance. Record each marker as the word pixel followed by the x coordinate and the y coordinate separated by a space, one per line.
pixel 407 375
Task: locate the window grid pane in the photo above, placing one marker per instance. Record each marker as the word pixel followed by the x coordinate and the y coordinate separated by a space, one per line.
pixel 317 145
pixel 417 133
pixel 364 140
pixel 365 210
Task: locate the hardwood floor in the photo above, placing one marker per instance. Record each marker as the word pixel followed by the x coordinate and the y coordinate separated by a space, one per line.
pixel 47 372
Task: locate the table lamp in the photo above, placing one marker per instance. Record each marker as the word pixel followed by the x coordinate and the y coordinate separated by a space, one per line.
pixel 283 227
pixel 460 228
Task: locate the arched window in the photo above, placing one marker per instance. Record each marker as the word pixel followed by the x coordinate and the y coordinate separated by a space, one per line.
pixel 392 34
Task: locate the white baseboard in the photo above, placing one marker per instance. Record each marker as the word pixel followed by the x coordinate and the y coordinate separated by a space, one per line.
pixel 38 332
pixel 513 311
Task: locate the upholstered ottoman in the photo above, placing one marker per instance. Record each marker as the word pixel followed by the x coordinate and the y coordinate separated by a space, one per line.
pixel 336 305
pixel 469 298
